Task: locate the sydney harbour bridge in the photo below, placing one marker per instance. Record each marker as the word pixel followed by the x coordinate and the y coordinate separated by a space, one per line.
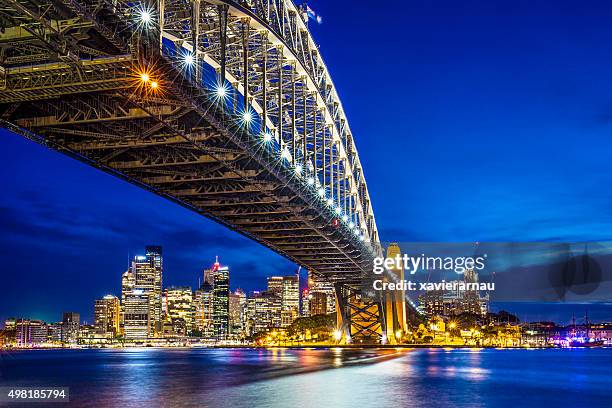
pixel 224 107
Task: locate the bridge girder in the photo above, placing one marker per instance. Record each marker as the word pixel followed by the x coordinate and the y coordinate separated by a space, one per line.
pixel 69 79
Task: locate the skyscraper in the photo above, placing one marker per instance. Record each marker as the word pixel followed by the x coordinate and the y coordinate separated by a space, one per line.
pixel 144 278
pixel 180 308
pixel 287 288
pixel 70 327
pixel 203 299
pixel 106 316
pixel 137 320
pixel 237 304
pixel 219 277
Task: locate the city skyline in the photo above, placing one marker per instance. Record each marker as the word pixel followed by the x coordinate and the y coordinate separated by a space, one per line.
pixel 67 226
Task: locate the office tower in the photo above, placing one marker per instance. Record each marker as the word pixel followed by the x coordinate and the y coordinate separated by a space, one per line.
pixel 218 277
pixel 30 332
pixel 263 311
pixel 106 316
pixel 288 289
pixel 180 309
pixel 237 302
pixel 305 303
pixel 70 324
pixel 203 300
pixel 54 332
pixel 137 320
pixel 318 303
pixel 144 278
pixel 318 285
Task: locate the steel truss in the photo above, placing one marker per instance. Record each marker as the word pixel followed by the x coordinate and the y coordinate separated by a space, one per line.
pixel 70 78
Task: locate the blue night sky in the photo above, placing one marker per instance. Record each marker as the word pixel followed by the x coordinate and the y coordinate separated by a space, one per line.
pixel 475 121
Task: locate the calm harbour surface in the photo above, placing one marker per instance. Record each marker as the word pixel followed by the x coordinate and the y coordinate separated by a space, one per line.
pixel 317 377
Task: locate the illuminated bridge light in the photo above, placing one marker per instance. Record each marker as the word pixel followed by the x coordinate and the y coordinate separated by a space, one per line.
pixel 321 192
pixel 351 224
pixel 267 137
pixel 345 218
pixel 188 59
pixel 144 77
pixel 247 116
pixel 285 154
pixel 338 210
pixel 220 91
pixel 298 169
pixel 310 181
pixel 154 85
pixel 330 202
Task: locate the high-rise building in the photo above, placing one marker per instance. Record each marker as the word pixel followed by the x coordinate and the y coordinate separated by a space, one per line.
pixel 181 308
pixel 203 300
pixel 137 320
pixel 219 277
pixel 263 312
pixel 316 286
pixel 70 327
pixel 144 278
pixel 106 316
pixel 237 303
pixel 288 289
pixel 318 303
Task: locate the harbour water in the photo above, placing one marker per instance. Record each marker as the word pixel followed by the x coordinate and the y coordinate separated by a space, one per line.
pixel 318 377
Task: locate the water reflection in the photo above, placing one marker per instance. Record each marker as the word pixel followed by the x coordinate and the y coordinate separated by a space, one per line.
pixel 315 378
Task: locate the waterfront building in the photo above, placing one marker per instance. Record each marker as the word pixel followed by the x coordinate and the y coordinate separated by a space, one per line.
pixel 55 333
pixel 70 323
pixel 144 278
pixel 106 316
pixel 137 319
pixel 30 332
pixel 180 308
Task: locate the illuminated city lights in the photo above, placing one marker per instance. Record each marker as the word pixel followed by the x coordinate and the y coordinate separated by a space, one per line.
pixel 144 77
pixel 188 59
pixel 247 116
pixel 267 137
pixel 154 85
pixel 310 181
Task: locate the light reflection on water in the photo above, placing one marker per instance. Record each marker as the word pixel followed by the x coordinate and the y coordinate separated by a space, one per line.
pixel 317 378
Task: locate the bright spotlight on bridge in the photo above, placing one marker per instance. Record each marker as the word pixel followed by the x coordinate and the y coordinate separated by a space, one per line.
pixel 285 154
pixel 338 210
pixel 345 218
pixel 351 224
pixel 145 17
pixel 188 59
pixel 330 202
pixel 154 85
pixel 247 117
pixel 310 181
pixel 298 169
pixel 337 335
pixel 267 137
pixel 321 192
pixel 144 77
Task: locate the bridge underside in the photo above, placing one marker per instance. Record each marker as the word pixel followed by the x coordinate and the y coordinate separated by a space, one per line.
pixel 71 78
